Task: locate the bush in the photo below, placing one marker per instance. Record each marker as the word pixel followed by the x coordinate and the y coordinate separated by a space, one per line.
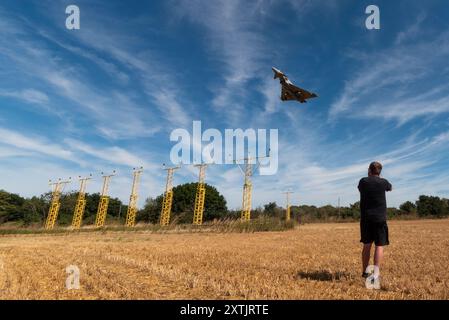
pixel 407 208
pixel 432 207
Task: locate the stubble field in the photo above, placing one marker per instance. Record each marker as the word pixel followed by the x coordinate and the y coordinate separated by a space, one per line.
pixel 316 261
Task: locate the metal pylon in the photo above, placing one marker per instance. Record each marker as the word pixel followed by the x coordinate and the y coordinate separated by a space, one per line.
pixel 104 201
pixel 80 204
pixel 200 195
pixel 251 164
pixel 288 215
pixel 168 197
pixel 132 207
pixel 55 204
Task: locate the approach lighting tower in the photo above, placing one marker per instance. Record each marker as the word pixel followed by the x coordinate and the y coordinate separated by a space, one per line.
pixel 132 207
pixel 80 203
pixel 288 215
pixel 248 171
pixel 104 201
pixel 168 196
pixel 200 195
pixel 58 188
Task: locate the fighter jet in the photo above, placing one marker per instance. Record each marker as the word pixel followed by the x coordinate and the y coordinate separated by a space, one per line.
pixel 289 90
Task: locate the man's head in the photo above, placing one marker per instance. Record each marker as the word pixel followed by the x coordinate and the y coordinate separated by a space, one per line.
pixel 375 168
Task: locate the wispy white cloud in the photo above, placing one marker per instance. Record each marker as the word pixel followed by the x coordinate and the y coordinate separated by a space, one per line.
pixel 110 68
pixel 16 144
pixel 35 144
pixel 28 95
pixel 155 75
pixel 173 111
pixel 412 32
pixel 272 94
pixel 112 155
pixel 234 41
pixel 397 83
pixel 120 120
pixel 12 152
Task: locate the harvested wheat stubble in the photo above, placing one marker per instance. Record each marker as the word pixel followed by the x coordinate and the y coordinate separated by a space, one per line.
pixel 317 261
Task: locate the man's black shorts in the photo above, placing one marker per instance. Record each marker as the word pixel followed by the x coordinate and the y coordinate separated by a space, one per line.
pixel 376 232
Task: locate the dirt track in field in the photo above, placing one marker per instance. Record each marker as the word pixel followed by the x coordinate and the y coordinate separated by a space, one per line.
pixel 317 261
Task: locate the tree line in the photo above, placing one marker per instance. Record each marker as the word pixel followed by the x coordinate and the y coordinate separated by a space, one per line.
pixel 424 207
pixel 18 210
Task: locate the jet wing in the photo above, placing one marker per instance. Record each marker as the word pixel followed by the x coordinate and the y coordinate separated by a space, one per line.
pixel 286 95
pixel 304 93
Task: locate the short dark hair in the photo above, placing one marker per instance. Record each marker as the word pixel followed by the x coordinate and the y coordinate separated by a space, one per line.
pixel 375 168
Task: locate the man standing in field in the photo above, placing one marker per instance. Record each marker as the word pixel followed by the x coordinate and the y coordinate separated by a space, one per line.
pixel 373 220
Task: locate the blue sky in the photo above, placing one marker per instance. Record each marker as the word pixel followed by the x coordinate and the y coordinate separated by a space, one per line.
pixel 107 96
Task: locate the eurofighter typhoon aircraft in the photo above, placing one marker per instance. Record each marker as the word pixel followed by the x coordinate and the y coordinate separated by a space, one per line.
pixel 289 90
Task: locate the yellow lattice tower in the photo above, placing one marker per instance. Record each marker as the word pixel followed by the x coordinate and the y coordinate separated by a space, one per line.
pixel 200 195
pixel 168 197
pixel 104 201
pixel 80 204
pixel 247 193
pixel 250 165
pixel 132 207
pixel 55 204
pixel 288 216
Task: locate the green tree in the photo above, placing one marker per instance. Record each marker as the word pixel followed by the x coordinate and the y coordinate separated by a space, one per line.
pixel 10 206
pixel 183 205
pixel 432 206
pixel 295 212
pixel 355 210
pixel 151 210
pixel 270 209
pixel 393 212
pixel 306 213
pixel 34 210
pixel 408 207
pixel 257 212
pixel 327 212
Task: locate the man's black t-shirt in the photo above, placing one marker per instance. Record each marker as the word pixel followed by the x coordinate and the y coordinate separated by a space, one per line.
pixel 373 204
